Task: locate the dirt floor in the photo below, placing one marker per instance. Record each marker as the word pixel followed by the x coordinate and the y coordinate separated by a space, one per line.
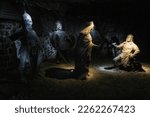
pixel 54 82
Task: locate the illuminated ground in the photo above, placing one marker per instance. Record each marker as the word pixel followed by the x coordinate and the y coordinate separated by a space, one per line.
pixel 101 84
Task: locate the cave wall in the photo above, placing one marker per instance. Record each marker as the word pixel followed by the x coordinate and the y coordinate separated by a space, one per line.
pixel 117 19
pixel 9 22
pixel 8 59
pixel 111 19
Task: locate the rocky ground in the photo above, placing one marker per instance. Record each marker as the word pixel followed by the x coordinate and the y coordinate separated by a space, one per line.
pixel 53 82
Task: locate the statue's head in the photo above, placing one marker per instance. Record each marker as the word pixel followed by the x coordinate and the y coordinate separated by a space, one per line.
pixel 58 25
pixel 27 19
pixel 89 27
pixel 129 38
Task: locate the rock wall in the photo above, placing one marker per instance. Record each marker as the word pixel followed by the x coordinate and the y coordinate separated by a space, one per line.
pixel 8 58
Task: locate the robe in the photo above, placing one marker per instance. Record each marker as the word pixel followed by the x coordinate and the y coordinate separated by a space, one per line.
pixel 83 54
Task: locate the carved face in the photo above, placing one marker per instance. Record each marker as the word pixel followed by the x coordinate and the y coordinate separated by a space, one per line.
pixel 92 25
pixel 27 19
pixel 58 26
pixel 129 38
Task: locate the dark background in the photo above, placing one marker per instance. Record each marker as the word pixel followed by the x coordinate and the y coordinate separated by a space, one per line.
pixel 111 17
pixel 126 16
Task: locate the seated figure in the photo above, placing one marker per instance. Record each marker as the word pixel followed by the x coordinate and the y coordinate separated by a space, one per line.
pixel 127 58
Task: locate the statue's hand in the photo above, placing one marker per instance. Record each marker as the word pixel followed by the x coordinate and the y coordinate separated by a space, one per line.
pixel 131 56
pixel 97 46
pixel 114 44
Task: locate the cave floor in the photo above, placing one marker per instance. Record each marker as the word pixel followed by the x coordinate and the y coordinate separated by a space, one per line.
pixel 53 83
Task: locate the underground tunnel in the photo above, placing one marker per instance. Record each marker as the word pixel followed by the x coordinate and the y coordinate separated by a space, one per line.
pixel 40 49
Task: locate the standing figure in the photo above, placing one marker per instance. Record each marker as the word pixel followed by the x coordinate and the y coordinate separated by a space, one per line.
pixel 31 45
pixel 60 42
pixel 83 52
pixel 128 51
